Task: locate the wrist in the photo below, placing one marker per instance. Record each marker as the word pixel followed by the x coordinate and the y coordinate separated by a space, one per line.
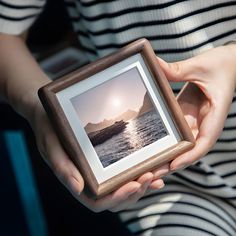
pixel 26 101
pixel 20 75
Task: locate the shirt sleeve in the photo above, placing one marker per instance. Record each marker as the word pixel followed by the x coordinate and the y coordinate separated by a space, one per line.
pixel 17 16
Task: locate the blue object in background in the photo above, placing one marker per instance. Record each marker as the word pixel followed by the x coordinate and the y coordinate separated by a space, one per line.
pixel 19 191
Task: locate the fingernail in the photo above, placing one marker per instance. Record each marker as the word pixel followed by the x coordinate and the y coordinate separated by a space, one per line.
pixel 75 186
pixel 160 183
pixel 157 184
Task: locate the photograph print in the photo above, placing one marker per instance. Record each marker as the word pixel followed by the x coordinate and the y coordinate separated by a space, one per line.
pixel 119 117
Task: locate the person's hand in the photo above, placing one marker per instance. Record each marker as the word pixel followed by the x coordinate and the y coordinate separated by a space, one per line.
pixel 20 79
pixel 206 98
pixel 60 163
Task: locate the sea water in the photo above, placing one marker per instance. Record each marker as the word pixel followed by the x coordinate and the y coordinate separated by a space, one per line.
pixel 139 132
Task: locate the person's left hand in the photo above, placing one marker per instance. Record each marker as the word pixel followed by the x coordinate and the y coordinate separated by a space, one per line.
pixel 206 98
pixel 122 198
pixel 68 173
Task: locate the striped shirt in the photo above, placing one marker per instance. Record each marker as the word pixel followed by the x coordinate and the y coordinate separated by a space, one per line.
pixel 17 18
pixel 177 30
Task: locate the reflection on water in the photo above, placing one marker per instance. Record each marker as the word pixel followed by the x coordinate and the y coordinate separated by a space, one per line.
pixel 139 133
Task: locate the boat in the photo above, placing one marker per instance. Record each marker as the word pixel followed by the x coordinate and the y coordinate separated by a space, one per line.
pixel 100 136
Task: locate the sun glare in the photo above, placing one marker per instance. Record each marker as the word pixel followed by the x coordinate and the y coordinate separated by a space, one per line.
pixel 116 102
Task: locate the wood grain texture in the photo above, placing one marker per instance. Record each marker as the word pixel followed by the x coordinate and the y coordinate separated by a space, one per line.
pixel 68 140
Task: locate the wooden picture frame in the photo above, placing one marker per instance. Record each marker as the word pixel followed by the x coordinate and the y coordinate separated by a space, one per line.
pixel 67 100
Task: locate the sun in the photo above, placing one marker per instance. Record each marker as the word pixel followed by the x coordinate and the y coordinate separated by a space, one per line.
pixel 116 102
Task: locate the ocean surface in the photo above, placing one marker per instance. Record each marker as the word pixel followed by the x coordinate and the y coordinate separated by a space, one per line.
pixel 138 133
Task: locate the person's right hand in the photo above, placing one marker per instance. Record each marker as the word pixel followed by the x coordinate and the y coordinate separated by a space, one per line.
pixel 205 99
pixel 60 163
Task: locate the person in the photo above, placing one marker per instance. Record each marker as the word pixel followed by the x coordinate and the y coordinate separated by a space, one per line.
pixel 199 197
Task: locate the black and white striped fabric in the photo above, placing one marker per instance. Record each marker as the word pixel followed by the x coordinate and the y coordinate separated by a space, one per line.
pixel 180 210
pixel 176 29
pixel 200 200
pixel 18 16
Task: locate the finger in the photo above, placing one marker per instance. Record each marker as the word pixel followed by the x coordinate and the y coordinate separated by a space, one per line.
pixel 157 184
pixel 190 98
pixel 161 171
pixel 191 156
pixel 110 200
pixel 145 178
pixel 179 71
pixel 209 131
pixel 62 166
pixel 133 198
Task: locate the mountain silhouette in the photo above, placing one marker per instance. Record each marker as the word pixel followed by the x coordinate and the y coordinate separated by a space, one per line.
pixel 127 115
pixel 147 105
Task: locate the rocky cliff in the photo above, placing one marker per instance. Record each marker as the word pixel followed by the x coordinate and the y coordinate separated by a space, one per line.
pixel 147 105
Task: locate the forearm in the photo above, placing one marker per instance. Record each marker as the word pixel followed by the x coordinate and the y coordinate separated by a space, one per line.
pixel 20 75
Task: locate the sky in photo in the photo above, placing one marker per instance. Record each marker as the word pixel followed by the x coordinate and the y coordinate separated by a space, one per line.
pixel 111 99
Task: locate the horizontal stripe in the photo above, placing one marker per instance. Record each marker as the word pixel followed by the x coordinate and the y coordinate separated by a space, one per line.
pixel 209 179
pixel 19 7
pixel 223 162
pixel 199 171
pixel 130 10
pixel 171 226
pixel 163 36
pixel 210 40
pixel 229 140
pixel 198 195
pixel 155 7
pixel 166 50
pixel 105 2
pixel 222 151
pixel 159 21
pixel 168 31
pixel 172 57
pixel 90 50
pixel 187 204
pixel 11 18
pixel 233 115
pixel 229 128
pixel 79 32
pixel 225 174
pixel 93 3
pixel 180 214
pixel 227 134
pixel 204 185
pixel 230 174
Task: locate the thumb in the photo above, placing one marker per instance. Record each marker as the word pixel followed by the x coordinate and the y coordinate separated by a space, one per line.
pixel 181 71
